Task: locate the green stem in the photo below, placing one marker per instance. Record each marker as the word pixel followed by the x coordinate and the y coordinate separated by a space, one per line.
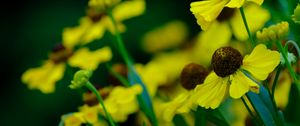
pixel 294 44
pixel 119 41
pixel 249 110
pixel 247 27
pixel 287 63
pixel 118 76
pixel 129 63
pixel 95 91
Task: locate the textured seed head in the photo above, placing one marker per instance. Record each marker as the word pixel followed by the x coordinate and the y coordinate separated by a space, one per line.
pixel 226 61
pixel 192 75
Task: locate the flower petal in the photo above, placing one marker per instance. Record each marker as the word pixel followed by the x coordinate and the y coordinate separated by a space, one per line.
pixel 241 84
pixel 207 11
pixel 85 59
pixel 44 77
pixel 235 3
pixel 211 93
pixel 261 62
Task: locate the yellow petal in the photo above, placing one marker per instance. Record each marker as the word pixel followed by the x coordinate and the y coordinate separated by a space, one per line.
pixel 86 59
pixel 72 36
pixel 261 62
pixel 207 11
pixel 241 84
pixel 235 3
pixel 122 102
pixel 256 17
pixel 258 2
pixel 95 31
pixel 165 37
pixel 86 32
pixel 129 9
pixel 212 92
pixel 44 77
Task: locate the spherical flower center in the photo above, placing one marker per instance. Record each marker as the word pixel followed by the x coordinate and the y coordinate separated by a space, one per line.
pixel 226 61
pixel 225 14
pixel 192 75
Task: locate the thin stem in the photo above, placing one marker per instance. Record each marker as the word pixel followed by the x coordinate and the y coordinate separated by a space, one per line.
pixel 287 63
pixel 247 27
pixel 294 44
pixel 94 90
pixel 129 63
pixel 249 110
pixel 119 41
pixel 118 76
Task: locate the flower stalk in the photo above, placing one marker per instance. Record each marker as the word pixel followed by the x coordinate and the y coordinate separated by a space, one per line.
pixel 247 27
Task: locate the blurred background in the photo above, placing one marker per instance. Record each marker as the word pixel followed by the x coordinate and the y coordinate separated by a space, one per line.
pixel 31 28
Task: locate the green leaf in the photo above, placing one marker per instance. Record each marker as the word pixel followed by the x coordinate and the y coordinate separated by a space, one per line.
pixel 262 103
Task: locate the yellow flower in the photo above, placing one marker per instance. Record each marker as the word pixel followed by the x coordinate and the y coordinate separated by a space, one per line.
pixel 52 70
pixel 122 102
pixel 86 115
pixel 94 25
pixel 168 36
pixel 274 32
pixel 207 11
pixel 228 65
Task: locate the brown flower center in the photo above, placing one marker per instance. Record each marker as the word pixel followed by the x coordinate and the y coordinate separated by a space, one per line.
pixel 226 14
pixel 226 60
pixel 60 54
pixel 94 14
pixel 192 75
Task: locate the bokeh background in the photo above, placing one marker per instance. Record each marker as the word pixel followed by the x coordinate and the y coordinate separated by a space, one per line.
pixel 31 28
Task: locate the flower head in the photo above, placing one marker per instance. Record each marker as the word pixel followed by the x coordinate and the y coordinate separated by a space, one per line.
pixel 229 75
pixel 52 70
pixel 81 77
pixel 274 32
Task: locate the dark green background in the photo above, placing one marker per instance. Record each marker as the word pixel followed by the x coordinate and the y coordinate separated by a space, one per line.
pixel 31 28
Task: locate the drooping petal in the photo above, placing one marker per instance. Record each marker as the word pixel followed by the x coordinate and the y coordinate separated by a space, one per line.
pixel 44 77
pixel 86 59
pixel 207 11
pixel 241 84
pixel 261 62
pixel 256 17
pixel 212 92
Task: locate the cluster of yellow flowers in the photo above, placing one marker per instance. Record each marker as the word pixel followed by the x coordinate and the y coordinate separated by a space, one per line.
pixel 224 62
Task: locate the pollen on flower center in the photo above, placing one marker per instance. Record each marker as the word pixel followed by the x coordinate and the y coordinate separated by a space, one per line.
pixel 226 60
pixel 226 14
pixel 192 75
pixel 60 53
pixel 94 14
